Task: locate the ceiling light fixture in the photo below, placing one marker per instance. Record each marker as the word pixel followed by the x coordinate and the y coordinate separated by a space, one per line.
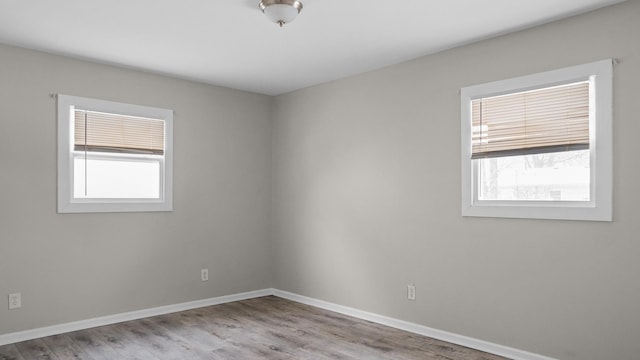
pixel 281 11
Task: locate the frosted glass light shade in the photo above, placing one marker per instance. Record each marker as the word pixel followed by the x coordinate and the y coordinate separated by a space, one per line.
pixel 281 11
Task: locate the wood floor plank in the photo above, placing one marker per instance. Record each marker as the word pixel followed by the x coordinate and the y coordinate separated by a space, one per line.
pixel 92 345
pixel 10 352
pixel 124 346
pixel 230 337
pixel 187 332
pixel 35 350
pixel 273 329
pixel 159 341
pixel 268 328
pixel 242 333
pixel 65 349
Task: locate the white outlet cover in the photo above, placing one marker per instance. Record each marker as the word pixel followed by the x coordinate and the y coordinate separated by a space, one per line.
pixel 15 301
pixel 411 292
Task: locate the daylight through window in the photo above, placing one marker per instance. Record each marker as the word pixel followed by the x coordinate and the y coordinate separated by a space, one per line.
pixel 533 145
pixel 539 146
pixel 113 156
pixel 117 156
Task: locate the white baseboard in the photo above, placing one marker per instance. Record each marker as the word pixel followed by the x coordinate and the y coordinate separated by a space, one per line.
pixel 133 315
pixel 395 323
pixel 415 328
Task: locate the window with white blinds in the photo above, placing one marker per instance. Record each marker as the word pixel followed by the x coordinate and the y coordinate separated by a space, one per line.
pixel 544 120
pixel 98 131
pixel 113 157
pixel 540 145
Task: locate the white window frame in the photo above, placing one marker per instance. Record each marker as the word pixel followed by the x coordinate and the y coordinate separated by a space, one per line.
pixel 66 201
pixel 599 208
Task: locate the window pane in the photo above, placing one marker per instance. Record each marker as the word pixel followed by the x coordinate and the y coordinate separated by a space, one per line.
pixel 560 176
pixel 116 178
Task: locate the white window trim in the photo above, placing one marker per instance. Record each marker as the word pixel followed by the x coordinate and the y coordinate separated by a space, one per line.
pixel 599 208
pixel 66 202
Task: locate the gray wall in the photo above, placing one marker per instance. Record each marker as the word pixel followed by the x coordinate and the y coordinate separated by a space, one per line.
pixel 134 260
pixel 367 200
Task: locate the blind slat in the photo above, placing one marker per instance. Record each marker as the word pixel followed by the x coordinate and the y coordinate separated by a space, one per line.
pixel 534 121
pixel 117 133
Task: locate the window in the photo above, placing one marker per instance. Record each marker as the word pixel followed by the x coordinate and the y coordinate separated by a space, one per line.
pixel 539 146
pixel 113 157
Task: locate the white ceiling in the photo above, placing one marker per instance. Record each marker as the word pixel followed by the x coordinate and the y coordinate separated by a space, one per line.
pixel 231 43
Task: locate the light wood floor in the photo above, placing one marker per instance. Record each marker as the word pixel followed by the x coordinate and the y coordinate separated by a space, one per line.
pixel 262 328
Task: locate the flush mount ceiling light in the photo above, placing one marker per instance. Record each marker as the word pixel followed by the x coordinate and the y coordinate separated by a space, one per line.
pixel 281 11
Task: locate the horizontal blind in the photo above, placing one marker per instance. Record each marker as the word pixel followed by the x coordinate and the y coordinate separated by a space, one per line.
pixel 538 121
pixel 96 131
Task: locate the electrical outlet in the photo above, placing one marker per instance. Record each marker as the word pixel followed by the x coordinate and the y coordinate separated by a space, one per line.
pixel 411 292
pixel 15 301
pixel 204 274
